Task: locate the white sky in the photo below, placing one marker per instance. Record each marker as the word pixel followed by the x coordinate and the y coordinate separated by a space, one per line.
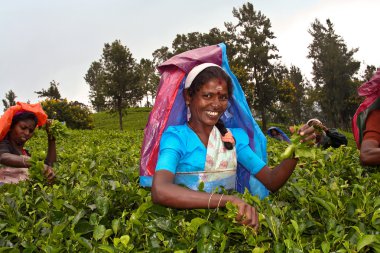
pixel 45 40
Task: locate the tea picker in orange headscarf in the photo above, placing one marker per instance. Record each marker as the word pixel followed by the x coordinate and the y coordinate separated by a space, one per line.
pixel 17 126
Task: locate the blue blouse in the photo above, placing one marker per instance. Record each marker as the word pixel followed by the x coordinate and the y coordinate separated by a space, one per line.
pixel 181 150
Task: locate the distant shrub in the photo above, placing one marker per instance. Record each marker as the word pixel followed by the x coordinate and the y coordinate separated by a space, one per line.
pixel 75 114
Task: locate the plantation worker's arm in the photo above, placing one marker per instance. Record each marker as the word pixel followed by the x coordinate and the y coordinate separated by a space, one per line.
pixel 370 152
pixel 166 192
pixel 337 139
pixel 16 161
pixel 52 150
pixel 275 178
pixel 8 158
pixel 370 146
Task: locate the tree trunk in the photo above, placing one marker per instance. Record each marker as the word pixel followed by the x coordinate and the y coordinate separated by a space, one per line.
pixel 263 119
pixel 120 110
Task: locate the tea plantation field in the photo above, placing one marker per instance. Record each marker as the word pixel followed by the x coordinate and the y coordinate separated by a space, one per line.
pixel 330 204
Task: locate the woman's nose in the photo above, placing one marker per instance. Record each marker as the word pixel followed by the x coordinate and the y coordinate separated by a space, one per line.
pixel 216 103
pixel 27 132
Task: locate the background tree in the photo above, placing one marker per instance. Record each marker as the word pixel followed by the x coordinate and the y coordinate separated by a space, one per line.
pixel 160 55
pixel 121 78
pixel 51 93
pixel 95 78
pixel 297 104
pixel 10 99
pixel 333 70
pixel 255 51
pixel 75 114
pixel 149 79
pixel 193 40
pixel 369 72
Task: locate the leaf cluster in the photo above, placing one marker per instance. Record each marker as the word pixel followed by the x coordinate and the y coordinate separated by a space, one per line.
pixel 330 203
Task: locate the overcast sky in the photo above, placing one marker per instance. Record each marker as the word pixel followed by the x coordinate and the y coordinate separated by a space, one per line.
pixel 45 40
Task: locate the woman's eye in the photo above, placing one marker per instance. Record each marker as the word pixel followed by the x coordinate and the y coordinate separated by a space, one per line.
pixel 207 95
pixel 223 98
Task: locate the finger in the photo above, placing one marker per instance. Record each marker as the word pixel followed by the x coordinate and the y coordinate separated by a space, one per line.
pixel 51 175
pixel 255 221
pixel 241 212
pixel 305 130
pixel 310 137
pixel 248 216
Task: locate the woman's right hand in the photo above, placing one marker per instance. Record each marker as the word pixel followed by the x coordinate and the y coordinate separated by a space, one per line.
pixel 247 214
pixel 49 173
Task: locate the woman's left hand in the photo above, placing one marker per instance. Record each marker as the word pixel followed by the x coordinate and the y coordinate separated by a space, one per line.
pixel 307 132
pixel 48 131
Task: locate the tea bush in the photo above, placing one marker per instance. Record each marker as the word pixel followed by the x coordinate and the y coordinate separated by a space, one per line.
pixel 330 204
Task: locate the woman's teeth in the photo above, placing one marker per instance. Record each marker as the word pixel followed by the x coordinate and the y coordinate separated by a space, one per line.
pixel 213 114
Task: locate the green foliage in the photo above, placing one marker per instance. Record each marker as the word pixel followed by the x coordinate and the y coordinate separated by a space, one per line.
pixel 37 167
pixel 74 114
pixel 135 118
pixel 57 129
pixel 330 204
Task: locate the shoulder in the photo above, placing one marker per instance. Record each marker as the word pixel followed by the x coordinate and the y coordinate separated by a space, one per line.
pixel 179 131
pixel 6 147
pixel 5 144
pixel 174 135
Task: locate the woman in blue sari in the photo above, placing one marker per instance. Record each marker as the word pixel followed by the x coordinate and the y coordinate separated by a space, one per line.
pixel 196 151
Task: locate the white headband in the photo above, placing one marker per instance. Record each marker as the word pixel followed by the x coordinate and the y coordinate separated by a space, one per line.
pixel 196 70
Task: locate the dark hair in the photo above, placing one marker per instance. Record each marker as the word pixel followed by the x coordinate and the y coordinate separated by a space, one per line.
pixel 206 75
pixel 23 116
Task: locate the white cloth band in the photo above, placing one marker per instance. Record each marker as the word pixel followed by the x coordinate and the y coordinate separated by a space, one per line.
pixel 196 70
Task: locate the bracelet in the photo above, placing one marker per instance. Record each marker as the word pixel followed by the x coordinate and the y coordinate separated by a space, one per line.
pixel 217 208
pixel 209 199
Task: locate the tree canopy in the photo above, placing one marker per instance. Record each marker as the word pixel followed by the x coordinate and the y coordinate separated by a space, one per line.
pixel 10 99
pixel 51 93
pixel 114 80
pixel 333 68
pixel 274 92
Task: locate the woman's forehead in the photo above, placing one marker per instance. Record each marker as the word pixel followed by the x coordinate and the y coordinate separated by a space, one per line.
pixel 26 122
pixel 215 84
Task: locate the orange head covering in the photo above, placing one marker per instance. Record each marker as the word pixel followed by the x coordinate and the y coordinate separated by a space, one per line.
pixel 6 119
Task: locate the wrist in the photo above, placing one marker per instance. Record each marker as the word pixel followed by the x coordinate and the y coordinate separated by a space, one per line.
pixel 229 198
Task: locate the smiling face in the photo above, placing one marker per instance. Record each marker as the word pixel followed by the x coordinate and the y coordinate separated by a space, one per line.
pixel 208 103
pixel 22 131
